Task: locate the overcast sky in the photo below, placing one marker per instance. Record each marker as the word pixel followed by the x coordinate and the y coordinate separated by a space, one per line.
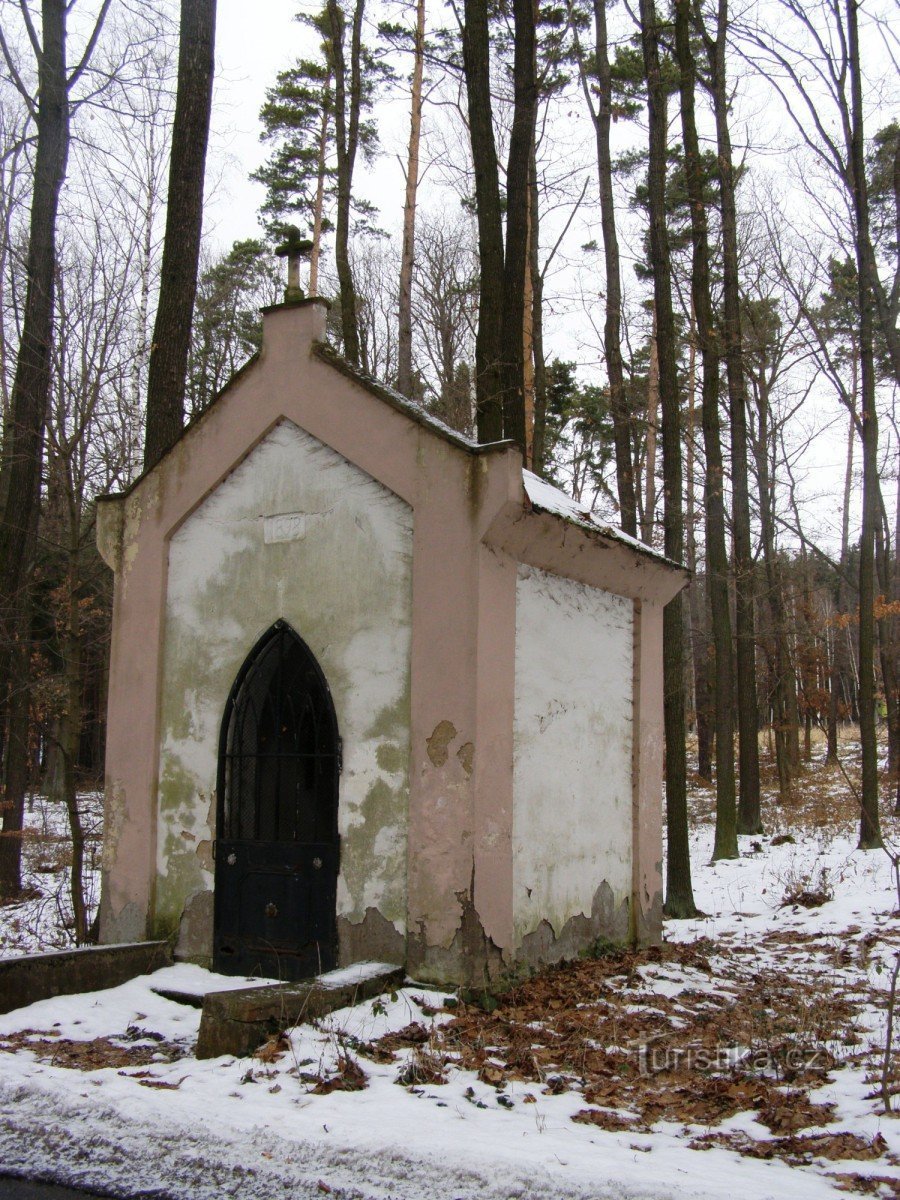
pixel 253 46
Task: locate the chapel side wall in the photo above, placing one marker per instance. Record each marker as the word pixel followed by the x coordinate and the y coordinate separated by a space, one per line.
pixel 295 533
pixel 573 801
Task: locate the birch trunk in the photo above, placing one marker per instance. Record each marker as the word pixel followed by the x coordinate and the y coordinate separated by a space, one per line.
pixel 407 255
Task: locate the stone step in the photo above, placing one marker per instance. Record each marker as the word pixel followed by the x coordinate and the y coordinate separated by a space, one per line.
pixel 238 1022
pixel 192 999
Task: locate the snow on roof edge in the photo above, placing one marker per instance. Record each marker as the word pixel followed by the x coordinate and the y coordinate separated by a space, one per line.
pixel 550 499
pixel 412 408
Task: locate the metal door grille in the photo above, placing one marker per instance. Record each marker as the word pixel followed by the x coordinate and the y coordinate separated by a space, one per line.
pixel 280 760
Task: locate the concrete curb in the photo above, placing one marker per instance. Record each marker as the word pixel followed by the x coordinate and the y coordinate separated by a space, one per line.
pixel 32 977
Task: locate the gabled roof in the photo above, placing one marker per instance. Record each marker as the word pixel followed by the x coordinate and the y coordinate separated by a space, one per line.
pixel 403 404
pixel 540 495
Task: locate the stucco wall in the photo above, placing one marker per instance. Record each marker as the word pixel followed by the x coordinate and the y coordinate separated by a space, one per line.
pixel 572 766
pixel 295 532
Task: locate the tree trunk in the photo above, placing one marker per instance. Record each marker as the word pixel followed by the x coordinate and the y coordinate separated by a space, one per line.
pixel 538 443
pixel 528 326
pixel 184 224
pixel 697 608
pixel 515 259
pixel 407 254
pixel 895 626
pixel 649 514
pixel 749 819
pixel 612 327
pixel 23 435
pixel 839 603
pixel 346 129
pixel 714 479
pixel 488 340
pixel 679 897
pixel 870 825
pixel 16 766
pixel 70 741
pixel 777 650
pixel 888 655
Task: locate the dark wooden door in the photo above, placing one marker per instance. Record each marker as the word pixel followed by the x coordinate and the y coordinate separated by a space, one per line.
pixel 277 850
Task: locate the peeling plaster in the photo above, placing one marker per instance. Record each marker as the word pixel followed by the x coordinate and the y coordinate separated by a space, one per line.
pixel 439 742
pixel 466 755
pixel 572 742
pixel 195 930
pixel 469 957
pixel 374 938
pixel 608 918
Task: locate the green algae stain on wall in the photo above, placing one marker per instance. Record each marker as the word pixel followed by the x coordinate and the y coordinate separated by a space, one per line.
pixel 391 758
pixel 373 856
pixel 344 585
pixel 182 828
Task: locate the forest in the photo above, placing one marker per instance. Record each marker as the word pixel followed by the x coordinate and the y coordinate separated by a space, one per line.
pixel 653 243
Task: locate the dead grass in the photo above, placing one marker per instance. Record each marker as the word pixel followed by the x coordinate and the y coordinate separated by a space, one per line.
pixel 807 889
pixel 348 1076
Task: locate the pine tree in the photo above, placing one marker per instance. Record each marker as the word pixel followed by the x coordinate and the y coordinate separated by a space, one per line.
pixel 316 118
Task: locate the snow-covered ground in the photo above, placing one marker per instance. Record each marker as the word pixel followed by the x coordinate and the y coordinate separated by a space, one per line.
pixel 43 919
pixel 771 1014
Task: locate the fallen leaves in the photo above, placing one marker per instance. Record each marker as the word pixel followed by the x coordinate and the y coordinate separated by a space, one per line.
pixel 347 1077
pixel 605 1118
pixel 131 1049
pixel 273 1049
pixel 794 1110
pixel 867 1185
pixel 797 1151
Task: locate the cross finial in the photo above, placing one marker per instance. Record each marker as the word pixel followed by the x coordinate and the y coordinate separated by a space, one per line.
pixel 294 248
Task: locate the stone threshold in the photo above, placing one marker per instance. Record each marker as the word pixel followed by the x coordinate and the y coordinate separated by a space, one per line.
pixel 238 1021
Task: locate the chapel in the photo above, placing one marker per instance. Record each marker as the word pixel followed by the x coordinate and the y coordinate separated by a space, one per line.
pixel 376 693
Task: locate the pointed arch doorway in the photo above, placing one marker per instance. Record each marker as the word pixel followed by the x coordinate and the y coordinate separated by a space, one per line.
pixel 277 849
